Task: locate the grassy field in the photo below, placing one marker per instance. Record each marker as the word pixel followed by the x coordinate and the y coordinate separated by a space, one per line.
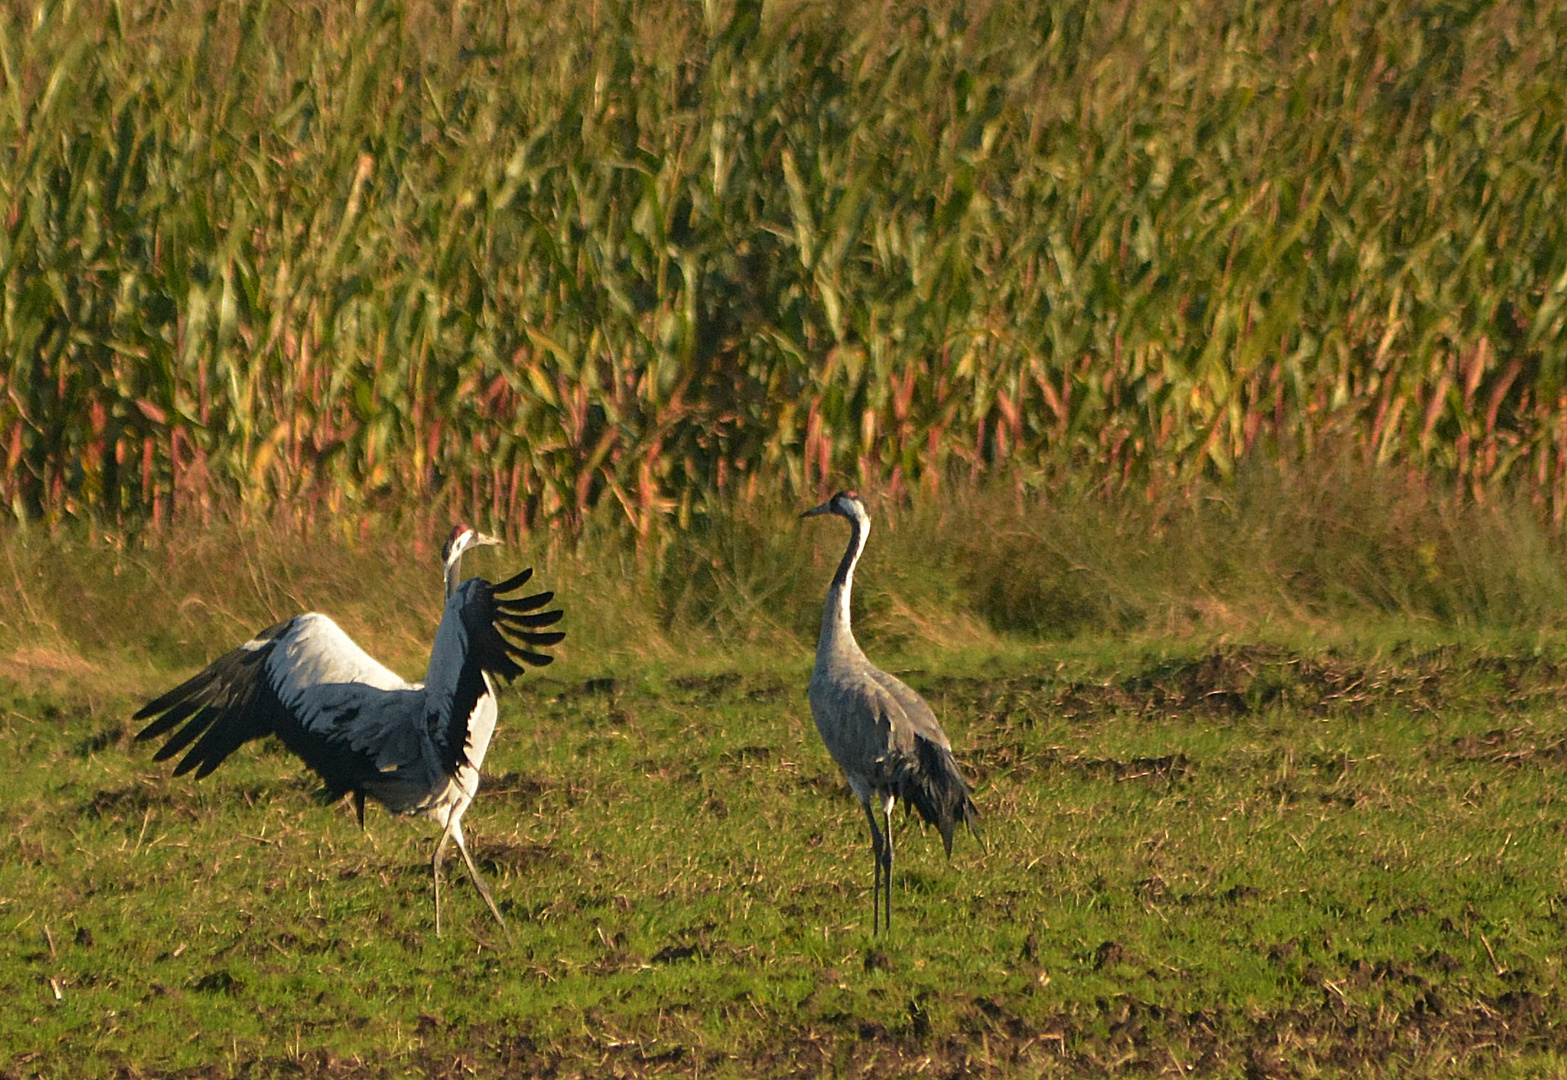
pixel 1239 860
pixel 1202 362
pixel 1323 847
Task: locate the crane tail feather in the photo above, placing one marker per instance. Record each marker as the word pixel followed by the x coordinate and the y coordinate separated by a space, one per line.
pixel 974 830
pixel 934 786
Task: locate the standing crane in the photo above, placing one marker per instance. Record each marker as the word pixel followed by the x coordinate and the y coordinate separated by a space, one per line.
pixel 881 733
pixel 415 748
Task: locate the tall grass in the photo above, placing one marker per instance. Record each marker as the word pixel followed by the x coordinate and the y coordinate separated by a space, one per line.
pixel 1343 551
pixel 540 260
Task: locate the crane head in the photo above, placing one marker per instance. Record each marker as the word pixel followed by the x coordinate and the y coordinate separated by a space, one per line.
pixel 462 538
pixel 846 504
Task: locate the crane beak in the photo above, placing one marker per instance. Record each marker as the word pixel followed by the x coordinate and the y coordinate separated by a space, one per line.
pixel 482 539
pixel 824 508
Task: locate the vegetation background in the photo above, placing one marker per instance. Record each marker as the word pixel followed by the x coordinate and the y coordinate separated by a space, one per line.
pixel 533 259
pixel 1205 364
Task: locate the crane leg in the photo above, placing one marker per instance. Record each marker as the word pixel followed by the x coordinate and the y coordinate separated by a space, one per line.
pixel 435 868
pixel 878 848
pixel 886 872
pixel 473 871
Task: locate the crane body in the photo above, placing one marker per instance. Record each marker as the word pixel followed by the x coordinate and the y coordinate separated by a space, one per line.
pixel 880 732
pixel 415 748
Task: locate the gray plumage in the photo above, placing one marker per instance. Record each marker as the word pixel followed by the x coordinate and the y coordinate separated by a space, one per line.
pixel 416 748
pixel 880 732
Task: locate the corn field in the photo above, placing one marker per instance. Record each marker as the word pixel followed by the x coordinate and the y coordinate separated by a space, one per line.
pixel 533 259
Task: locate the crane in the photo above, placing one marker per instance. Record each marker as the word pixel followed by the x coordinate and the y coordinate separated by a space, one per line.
pixel 880 732
pixel 415 748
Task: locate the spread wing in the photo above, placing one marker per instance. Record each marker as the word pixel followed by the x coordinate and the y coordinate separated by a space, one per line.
pixel 306 681
pixel 357 724
pixel 483 634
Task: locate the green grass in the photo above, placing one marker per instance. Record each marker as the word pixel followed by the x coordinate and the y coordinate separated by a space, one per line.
pixel 1256 860
pixel 1267 777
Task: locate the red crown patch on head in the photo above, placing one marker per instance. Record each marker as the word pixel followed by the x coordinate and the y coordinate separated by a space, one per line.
pixel 457 532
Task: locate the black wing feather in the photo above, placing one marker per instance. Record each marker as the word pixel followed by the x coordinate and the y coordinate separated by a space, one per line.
pixel 517 581
pixel 527 622
pixel 231 702
pixel 528 656
pixel 494 647
pixel 340 768
pixel 204 718
pixel 224 690
pixel 168 720
pixel 524 604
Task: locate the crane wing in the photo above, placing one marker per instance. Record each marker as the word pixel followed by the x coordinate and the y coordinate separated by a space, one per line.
pixel 307 682
pixel 483 634
pixel 916 716
pixel 920 765
pixel 887 734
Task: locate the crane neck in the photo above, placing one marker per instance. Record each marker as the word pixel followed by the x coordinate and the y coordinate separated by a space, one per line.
pixel 835 617
pixel 453 575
